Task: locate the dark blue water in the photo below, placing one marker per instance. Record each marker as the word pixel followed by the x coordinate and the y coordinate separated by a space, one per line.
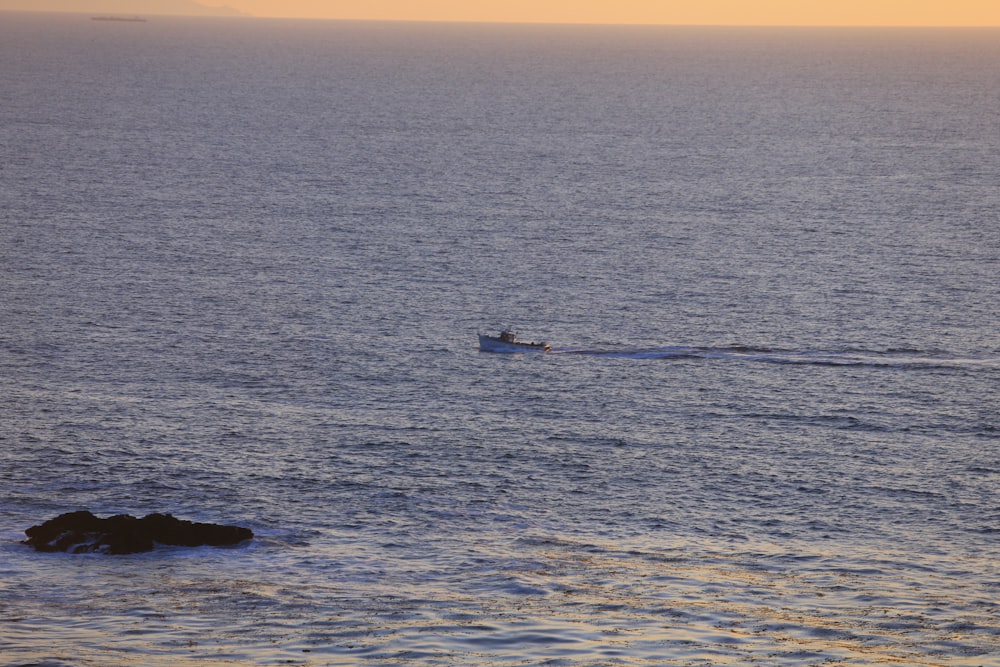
pixel 242 268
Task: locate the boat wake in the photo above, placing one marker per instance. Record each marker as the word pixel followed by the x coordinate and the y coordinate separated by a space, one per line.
pixel 902 358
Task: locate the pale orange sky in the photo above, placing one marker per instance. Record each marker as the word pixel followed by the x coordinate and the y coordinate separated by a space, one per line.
pixel 684 12
pixel 729 12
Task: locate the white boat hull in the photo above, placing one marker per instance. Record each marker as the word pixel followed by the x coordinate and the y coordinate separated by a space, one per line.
pixel 494 344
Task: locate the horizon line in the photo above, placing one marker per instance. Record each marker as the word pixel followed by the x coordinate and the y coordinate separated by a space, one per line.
pixel 509 22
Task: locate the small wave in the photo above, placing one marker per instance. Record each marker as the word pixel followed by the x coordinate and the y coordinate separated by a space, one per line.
pixel 904 492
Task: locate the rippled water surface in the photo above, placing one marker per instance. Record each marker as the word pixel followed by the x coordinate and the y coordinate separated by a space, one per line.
pixel 242 268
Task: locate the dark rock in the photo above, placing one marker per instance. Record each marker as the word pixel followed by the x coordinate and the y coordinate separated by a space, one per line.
pixel 82 532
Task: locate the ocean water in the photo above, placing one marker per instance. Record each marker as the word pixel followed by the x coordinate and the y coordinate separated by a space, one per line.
pixel 242 268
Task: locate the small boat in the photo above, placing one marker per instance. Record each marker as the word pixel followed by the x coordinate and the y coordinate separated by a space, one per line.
pixel 507 342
